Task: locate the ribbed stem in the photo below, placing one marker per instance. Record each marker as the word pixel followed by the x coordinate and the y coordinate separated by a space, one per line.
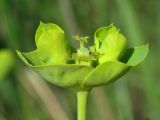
pixel 81 104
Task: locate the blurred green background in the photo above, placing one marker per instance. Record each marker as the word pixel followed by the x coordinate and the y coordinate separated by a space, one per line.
pixel 25 96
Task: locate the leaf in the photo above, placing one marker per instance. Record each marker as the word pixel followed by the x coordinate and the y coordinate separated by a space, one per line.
pixel 52 46
pixel 110 44
pixel 64 75
pixel 110 71
pixel 105 73
pixel 134 56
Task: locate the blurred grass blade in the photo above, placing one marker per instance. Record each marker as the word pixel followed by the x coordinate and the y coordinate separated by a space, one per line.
pixel 123 101
pixel 10 25
pixel 135 35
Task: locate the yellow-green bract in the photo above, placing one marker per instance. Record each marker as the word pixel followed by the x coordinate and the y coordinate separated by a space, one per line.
pixel 51 59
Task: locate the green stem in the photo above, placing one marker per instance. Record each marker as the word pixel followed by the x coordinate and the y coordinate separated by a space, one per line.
pixel 81 104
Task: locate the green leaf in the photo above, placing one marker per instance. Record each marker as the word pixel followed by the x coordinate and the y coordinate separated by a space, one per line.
pixel 105 73
pixel 7 61
pixel 64 75
pixel 134 56
pixel 110 44
pixel 110 71
pixel 52 46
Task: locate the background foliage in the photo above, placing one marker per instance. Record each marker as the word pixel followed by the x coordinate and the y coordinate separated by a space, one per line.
pixel 24 96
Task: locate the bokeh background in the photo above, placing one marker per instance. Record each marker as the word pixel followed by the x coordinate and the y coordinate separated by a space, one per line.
pixel 25 96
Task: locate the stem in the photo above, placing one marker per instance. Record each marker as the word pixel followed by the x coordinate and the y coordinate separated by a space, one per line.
pixel 81 104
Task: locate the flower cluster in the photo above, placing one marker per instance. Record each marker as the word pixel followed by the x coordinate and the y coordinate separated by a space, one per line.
pixel 105 61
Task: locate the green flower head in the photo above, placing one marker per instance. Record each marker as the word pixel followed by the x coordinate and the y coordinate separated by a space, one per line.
pixel 105 61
